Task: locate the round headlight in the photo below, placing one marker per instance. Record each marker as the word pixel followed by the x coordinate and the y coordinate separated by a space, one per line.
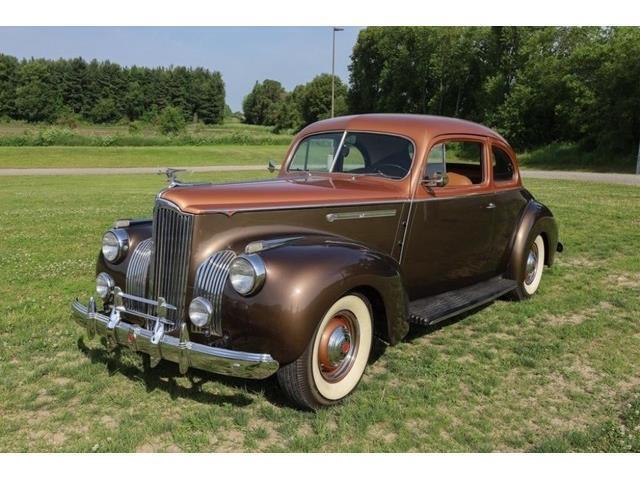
pixel 115 244
pixel 200 311
pixel 104 285
pixel 247 274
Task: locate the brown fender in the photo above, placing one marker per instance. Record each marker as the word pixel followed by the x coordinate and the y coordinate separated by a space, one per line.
pixel 304 278
pixel 536 219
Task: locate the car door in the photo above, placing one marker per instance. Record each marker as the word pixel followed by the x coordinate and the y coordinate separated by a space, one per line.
pixel 448 243
pixel 509 200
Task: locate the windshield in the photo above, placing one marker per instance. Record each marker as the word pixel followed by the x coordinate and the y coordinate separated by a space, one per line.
pixel 355 153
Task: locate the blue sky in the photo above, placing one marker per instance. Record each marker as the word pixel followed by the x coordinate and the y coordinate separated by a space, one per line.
pixel 291 55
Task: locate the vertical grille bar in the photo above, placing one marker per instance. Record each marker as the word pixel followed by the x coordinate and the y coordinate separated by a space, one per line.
pixel 137 274
pixel 211 278
pixel 172 231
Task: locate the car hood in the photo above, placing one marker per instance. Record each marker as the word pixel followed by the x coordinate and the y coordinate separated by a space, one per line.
pixel 296 192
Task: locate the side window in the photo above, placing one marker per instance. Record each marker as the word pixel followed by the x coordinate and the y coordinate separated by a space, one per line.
pixel 502 165
pixel 460 159
pixel 316 152
pixel 352 157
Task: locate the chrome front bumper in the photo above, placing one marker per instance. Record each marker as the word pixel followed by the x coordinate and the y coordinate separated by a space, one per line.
pixel 178 350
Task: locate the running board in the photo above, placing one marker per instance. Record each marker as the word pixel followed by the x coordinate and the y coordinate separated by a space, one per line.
pixel 431 310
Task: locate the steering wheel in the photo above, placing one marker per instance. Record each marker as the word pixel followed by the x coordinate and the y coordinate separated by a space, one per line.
pixel 403 171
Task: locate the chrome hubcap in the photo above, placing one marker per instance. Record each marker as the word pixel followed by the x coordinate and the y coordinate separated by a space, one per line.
pixel 338 347
pixel 532 265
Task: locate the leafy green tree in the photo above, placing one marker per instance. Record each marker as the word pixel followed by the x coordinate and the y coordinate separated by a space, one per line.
pixel 211 106
pixel 288 113
pixel 262 103
pixel 315 99
pixel 171 121
pixel 37 98
pixel 105 111
pixel 134 100
pixel 8 83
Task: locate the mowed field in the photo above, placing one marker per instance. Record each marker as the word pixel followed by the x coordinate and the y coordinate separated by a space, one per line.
pixel 559 372
pixel 160 157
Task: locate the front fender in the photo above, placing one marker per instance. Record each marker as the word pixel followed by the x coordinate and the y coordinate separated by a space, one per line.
pixel 304 278
pixel 536 219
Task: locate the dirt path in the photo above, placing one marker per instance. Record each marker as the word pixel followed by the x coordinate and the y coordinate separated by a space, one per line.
pixel 622 178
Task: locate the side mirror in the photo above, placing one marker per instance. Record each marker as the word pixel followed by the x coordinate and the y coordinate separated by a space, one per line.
pixel 272 167
pixel 436 180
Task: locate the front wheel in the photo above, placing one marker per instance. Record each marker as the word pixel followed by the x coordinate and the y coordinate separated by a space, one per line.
pixel 533 265
pixel 334 361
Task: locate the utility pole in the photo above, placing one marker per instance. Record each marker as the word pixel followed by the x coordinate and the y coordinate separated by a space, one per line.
pixel 638 160
pixel 333 68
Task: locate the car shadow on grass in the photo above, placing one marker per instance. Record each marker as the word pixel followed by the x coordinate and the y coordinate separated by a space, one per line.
pixel 164 377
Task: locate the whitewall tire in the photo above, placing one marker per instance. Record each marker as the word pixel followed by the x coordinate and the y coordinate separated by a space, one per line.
pixel 333 363
pixel 532 268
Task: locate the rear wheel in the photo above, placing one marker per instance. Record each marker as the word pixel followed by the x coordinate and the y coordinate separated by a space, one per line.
pixel 533 267
pixel 335 359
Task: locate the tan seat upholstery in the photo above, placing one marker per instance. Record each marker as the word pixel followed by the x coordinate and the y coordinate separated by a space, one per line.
pixel 457 180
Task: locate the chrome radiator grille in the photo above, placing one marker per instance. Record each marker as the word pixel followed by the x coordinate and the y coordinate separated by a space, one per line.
pixel 137 274
pixel 172 231
pixel 210 280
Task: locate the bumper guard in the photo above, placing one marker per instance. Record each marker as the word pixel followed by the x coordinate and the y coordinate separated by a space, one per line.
pixel 178 350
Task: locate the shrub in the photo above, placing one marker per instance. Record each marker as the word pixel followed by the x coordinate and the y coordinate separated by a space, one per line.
pixel 171 121
pixel 135 128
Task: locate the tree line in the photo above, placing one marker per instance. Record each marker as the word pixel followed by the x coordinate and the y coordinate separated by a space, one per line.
pixel 39 90
pixel 535 85
pixel 270 104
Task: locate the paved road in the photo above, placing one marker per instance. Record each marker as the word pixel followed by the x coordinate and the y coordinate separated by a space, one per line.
pixel 622 178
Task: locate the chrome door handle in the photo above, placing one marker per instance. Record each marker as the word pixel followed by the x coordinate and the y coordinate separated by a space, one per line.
pixel 491 205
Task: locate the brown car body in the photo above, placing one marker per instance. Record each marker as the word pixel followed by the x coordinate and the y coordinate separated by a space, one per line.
pixel 392 240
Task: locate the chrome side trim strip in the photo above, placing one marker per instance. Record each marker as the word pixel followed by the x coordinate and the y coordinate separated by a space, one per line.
pixel 332 217
pixel 231 211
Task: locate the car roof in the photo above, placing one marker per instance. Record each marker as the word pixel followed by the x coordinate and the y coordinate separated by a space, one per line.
pixel 414 126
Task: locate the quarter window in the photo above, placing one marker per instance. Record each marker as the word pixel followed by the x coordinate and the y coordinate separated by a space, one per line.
pixel 502 165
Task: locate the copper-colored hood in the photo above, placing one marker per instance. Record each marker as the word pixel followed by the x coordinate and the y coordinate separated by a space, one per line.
pixel 285 192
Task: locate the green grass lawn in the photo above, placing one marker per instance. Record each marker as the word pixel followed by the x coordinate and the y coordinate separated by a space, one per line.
pixel 58 157
pixel 567 156
pixel 559 372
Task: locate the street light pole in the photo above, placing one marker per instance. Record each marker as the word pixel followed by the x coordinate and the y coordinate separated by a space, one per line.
pixel 638 160
pixel 333 68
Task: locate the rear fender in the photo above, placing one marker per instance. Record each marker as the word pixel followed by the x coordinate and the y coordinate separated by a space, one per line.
pixel 536 220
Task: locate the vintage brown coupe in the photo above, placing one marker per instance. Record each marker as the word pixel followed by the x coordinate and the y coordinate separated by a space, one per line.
pixel 374 222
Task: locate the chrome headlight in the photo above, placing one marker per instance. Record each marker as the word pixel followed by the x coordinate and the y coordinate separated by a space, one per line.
pixel 115 244
pixel 200 311
pixel 247 274
pixel 104 285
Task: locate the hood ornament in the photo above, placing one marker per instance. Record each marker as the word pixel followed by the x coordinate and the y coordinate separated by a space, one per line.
pixel 171 174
